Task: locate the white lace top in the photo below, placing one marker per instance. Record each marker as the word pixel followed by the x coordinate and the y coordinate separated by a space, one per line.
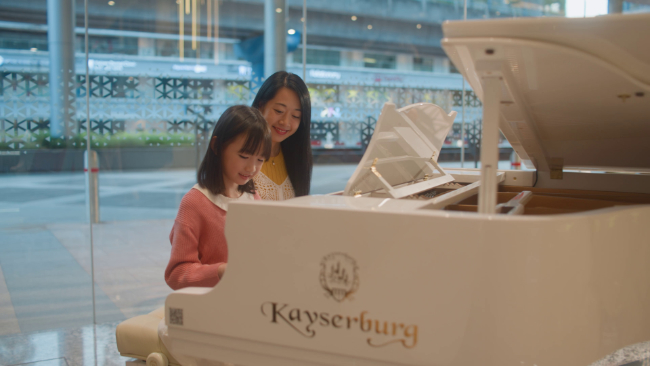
pixel 269 190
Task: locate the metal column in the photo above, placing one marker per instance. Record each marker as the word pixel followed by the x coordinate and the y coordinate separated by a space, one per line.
pixel 60 37
pixel 275 37
pixel 304 40
pixel 91 168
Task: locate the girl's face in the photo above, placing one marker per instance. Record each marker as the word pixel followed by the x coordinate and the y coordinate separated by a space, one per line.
pixel 238 167
pixel 282 113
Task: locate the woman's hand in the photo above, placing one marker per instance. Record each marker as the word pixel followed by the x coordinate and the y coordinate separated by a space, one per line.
pixel 221 270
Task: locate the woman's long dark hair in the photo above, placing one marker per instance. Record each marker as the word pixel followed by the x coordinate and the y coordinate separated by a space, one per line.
pixel 236 120
pixel 297 147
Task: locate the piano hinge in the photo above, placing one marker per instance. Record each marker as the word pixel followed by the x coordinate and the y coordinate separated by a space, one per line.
pixel 373 168
pixel 556 165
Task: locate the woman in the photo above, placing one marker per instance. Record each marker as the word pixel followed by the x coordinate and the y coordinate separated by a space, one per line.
pixel 284 102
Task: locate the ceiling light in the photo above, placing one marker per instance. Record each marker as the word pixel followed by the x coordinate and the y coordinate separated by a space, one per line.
pixel 34 49
pixel 419 26
pixel 354 18
pixel 369 26
pixel 291 31
pixel 111 3
pixel 369 60
pixel 278 10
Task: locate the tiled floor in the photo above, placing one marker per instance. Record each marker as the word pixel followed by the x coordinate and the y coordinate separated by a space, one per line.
pixel 77 346
pixel 47 273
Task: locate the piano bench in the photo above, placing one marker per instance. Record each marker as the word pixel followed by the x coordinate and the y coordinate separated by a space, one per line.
pixel 138 337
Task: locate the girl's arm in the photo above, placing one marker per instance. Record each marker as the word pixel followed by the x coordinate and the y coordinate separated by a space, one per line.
pixel 184 268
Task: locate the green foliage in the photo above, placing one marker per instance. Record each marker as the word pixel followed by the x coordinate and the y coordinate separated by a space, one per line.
pixel 43 140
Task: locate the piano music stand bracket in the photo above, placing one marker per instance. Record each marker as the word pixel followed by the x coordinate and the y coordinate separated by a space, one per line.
pixel 451 198
pixel 415 186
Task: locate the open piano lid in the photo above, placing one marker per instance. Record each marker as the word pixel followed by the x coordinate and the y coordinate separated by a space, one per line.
pixel 401 158
pixel 575 92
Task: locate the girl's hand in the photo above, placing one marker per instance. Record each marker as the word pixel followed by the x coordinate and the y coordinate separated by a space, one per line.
pixel 221 270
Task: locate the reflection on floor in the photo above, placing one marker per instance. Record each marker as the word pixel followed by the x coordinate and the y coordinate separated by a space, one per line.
pixel 64 347
pixel 47 273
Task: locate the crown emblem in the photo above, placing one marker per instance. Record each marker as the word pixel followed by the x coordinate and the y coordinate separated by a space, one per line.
pixel 339 276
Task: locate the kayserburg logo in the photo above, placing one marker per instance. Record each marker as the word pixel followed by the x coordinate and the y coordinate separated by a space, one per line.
pixel 339 276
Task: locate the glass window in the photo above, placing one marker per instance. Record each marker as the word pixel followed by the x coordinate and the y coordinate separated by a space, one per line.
pixel 15 40
pixel 379 61
pixel 318 57
pixel 422 63
pixel 109 45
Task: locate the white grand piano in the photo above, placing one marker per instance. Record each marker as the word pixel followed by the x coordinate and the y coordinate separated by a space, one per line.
pixel 417 265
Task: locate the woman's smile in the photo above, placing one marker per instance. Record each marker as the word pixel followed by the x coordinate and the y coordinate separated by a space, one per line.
pixel 280 131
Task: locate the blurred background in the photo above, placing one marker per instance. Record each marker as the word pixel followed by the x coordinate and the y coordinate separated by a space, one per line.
pixel 159 74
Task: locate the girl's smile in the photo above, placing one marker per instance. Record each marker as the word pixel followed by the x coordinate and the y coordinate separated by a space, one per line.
pixel 244 178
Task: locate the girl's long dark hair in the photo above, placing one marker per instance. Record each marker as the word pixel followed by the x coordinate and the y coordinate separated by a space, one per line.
pixel 236 120
pixel 297 147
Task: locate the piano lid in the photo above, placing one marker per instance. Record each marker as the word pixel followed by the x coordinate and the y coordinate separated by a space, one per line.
pixel 575 92
pixel 401 158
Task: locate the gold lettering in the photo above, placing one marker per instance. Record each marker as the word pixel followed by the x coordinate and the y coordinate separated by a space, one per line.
pixel 324 319
pixel 362 322
pixel 411 332
pixel 335 319
pixel 311 320
pixel 400 333
pixel 385 331
pixel 277 315
pixel 369 340
pixel 294 314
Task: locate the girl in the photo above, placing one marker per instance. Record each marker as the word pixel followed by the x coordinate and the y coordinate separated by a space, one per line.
pixel 284 102
pixel 240 143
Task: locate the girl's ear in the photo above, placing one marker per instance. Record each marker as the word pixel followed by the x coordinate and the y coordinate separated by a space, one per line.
pixel 213 142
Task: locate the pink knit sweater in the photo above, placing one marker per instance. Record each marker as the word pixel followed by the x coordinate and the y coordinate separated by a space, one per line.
pixel 198 242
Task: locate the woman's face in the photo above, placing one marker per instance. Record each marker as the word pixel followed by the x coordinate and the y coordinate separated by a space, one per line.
pixel 282 113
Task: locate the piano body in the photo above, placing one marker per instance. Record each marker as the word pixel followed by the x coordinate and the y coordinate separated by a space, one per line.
pixel 416 265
